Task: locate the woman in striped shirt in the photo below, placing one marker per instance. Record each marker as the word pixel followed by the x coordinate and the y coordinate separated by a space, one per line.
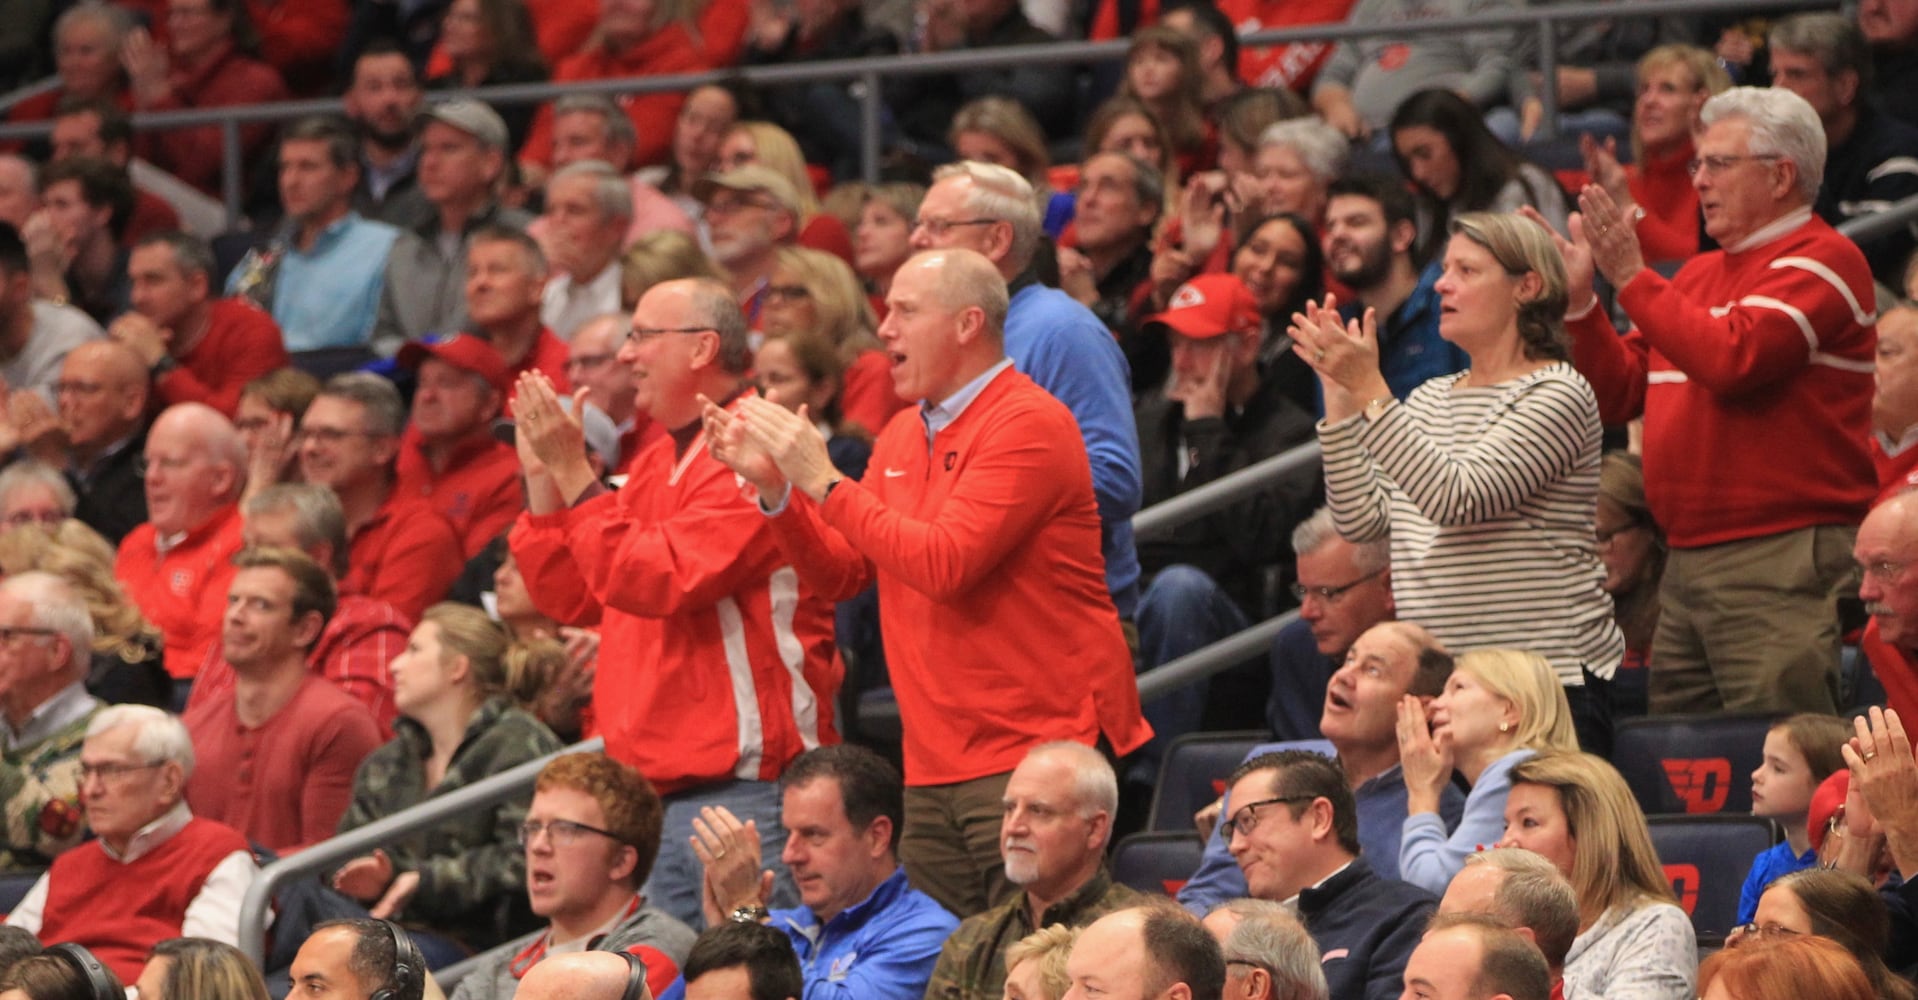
pixel 1487 480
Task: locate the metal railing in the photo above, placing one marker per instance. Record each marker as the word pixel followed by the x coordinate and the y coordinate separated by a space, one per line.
pixel 870 72
pixel 27 92
pixel 1878 225
pixel 379 833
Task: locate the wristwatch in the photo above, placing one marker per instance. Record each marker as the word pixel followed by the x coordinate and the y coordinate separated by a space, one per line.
pixel 748 913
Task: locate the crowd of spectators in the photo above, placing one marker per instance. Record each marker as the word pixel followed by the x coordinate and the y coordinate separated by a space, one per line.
pixel 486 426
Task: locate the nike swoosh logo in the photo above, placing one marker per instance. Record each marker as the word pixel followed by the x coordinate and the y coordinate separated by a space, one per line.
pixel 895 473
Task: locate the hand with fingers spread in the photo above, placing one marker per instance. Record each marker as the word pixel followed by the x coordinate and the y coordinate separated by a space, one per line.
pixel 1611 232
pixel 1577 254
pixel 1344 353
pixel 1202 214
pixel 1884 772
pixel 728 850
pixel 271 458
pixel 1425 760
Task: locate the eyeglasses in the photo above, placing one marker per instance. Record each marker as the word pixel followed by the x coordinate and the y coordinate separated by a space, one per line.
pixel 1720 164
pixel 43 518
pixel 1246 820
pixel 1765 930
pixel 787 293
pixel 107 772
pixel 642 334
pixel 1329 594
pixel 940 227
pixel 13 635
pixel 564 832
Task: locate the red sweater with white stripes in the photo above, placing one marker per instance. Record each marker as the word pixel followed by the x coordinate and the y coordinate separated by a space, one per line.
pixel 1753 370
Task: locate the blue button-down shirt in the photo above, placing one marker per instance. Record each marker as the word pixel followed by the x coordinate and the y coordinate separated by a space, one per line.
pixel 329 296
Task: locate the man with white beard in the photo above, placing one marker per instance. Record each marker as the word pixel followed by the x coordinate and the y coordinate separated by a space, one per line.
pixel 1058 816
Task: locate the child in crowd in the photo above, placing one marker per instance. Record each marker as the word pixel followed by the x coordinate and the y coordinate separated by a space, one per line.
pixel 1800 753
pixel 1162 71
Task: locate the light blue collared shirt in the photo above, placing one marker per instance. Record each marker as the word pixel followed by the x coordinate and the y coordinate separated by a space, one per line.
pixel 939 416
pixel 329 296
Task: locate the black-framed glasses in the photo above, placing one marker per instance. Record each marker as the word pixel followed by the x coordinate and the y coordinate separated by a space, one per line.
pixel 1329 594
pixel 12 635
pixel 1246 818
pixel 940 227
pixel 565 832
pixel 107 772
pixel 642 334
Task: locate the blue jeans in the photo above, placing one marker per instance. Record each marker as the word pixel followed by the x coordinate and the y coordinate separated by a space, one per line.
pixel 1182 612
pixel 675 884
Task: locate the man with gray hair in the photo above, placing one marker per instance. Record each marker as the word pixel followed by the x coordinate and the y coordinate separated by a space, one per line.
pixel 1052 340
pixel 588 208
pixel 1059 805
pixel 1471 957
pixel 725 657
pixel 1871 158
pixel 1523 891
pixel 1270 956
pixel 199 348
pixel 592 127
pixel 156 871
pixel 1109 271
pixel 1752 369
pixel 177 565
pixel 1343 589
pixel 46 649
pixel 981 533
pixel 751 212
pixel 505 272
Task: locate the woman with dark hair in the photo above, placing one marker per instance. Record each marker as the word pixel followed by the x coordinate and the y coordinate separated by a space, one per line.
pixel 1485 480
pixel 1840 906
pixel 488 42
pixel 207 62
pixel 1281 261
pixel 1458 165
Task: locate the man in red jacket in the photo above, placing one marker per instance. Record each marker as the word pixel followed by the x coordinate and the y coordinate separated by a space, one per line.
pixel 978 521
pixel 1752 368
pixel 199 347
pixel 718 666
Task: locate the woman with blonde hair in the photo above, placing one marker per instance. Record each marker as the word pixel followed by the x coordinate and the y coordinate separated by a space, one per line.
pixel 1036 964
pixel 1127 125
pixel 816 292
pixel 1674 82
pixel 1633 941
pixel 1000 131
pixel 128 652
pixel 1486 480
pixel 770 146
pixel 883 239
pixel 459 686
pixel 1500 707
pixel 665 255
pixel 193 968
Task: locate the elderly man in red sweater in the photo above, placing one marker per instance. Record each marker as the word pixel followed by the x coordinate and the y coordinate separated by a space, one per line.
pixel 156 871
pixel 1752 368
pixel 979 523
pixel 200 348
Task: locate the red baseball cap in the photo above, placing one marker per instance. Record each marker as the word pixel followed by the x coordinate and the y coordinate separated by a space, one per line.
pixel 463 351
pixel 1210 305
pixel 1825 801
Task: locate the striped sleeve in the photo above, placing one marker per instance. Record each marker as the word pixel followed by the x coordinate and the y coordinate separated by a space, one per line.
pixel 1359 497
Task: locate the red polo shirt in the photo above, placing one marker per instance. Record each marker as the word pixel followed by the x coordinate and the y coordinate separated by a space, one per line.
pixel 183 590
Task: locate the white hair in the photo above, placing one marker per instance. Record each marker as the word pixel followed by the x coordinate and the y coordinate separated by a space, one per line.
pixel 1094 784
pixel 33 472
pixel 162 736
pixel 1000 194
pixel 54 604
pixel 1782 124
pixel 611 193
pixel 1323 149
pixel 1274 940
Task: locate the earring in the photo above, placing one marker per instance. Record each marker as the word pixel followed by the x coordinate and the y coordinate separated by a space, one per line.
pixel 1504 727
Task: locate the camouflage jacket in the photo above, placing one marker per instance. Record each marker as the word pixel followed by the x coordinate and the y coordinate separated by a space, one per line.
pixel 972 965
pixel 472 872
pixel 40 785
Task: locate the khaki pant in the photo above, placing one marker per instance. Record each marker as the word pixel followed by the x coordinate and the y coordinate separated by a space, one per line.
pixel 1752 626
pixel 951 843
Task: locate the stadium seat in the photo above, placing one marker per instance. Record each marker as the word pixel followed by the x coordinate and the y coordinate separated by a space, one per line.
pixel 1707 858
pixel 1195 768
pixel 1157 862
pixel 1691 764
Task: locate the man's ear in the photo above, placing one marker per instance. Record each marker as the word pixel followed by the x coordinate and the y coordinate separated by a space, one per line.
pixel 878 836
pixel 307 629
pixel 1404 234
pixel 1846 83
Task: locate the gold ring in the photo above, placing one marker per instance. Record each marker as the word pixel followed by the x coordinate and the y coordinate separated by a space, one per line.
pixel 1319 355
pixel 1869 754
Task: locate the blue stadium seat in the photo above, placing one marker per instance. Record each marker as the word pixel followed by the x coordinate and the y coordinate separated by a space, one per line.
pixel 1193 773
pixel 1157 862
pixel 1707 858
pixel 1691 764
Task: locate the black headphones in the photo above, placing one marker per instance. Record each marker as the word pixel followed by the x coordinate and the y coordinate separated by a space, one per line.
pixel 408 981
pixel 101 983
pixel 635 977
